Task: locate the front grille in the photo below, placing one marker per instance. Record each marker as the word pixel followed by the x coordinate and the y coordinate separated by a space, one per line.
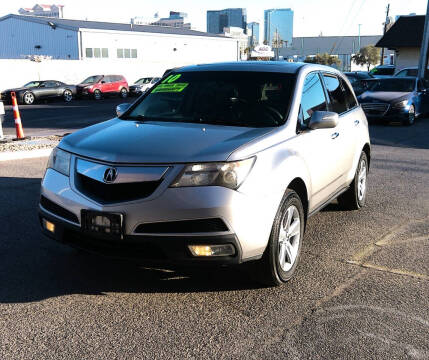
pixel 58 210
pixel 186 226
pixel 114 193
pixel 375 108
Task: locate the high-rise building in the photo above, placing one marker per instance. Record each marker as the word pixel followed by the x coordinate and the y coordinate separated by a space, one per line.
pixel 278 21
pixel 253 32
pixel 217 20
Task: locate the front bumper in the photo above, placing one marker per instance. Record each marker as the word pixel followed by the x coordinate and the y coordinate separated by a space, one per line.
pixel 151 250
pixel 248 219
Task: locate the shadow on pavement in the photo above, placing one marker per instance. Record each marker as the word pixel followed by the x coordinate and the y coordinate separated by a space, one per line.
pixel 33 267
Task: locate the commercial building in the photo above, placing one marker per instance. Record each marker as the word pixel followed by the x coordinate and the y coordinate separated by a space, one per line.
pixel 253 33
pixel 405 39
pixel 22 36
pixel 242 39
pixel 278 23
pixel 342 46
pixel 43 10
pixel 176 19
pixel 217 20
pixel 40 48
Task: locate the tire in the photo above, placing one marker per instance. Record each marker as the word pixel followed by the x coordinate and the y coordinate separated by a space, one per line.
pixel 281 257
pixel 123 93
pixel 67 95
pixel 355 197
pixel 28 98
pixel 97 94
pixel 411 118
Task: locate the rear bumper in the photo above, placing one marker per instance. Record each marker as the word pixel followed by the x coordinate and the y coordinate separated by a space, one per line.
pixel 146 249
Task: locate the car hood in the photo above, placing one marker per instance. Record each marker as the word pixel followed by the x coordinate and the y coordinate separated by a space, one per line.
pixel 382 96
pixel 16 90
pixel 125 141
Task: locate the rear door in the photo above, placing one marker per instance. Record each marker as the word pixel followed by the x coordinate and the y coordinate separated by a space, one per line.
pixel 340 95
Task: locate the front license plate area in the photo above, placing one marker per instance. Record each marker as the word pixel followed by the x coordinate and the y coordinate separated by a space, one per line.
pixel 109 225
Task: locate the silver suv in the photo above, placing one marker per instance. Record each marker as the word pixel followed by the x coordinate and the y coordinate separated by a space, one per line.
pixel 216 164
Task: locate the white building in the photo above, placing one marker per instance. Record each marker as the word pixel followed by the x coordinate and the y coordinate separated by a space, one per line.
pixel 21 36
pixel 100 47
pixel 43 10
pixel 239 35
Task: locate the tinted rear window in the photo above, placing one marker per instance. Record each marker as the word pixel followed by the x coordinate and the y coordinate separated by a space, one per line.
pixel 237 98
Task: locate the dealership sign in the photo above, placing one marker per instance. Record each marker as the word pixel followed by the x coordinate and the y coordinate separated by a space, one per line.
pixel 262 51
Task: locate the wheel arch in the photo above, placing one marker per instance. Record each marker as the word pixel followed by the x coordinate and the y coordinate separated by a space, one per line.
pixel 298 185
pixel 367 150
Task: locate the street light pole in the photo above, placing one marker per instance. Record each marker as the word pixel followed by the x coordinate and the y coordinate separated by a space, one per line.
pixel 423 63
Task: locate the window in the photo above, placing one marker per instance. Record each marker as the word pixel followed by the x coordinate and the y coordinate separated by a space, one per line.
pixel 50 84
pixel 249 99
pixel 350 99
pixel 127 53
pixel 336 94
pixel 313 98
pixel 97 52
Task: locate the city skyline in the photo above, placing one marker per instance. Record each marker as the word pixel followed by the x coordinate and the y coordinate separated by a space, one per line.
pixel 307 21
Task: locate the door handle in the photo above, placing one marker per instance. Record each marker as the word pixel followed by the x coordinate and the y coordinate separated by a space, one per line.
pixel 357 122
pixel 335 135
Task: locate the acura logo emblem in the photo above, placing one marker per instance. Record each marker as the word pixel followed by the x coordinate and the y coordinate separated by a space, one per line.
pixel 110 175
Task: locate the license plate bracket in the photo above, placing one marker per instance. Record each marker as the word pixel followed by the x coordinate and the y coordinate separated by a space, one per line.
pixel 105 224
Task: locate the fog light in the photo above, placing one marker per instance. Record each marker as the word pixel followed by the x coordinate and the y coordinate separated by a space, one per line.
pixel 212 250
pixel 49 226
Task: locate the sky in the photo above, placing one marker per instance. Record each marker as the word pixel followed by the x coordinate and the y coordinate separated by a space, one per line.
pixel 311 17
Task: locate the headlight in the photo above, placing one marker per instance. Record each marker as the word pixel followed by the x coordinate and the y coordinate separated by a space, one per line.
pixel 227 174
pixel 59 161
pixel 401 104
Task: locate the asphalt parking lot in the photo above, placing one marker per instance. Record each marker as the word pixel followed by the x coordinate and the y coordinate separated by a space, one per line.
pixel 58 117
pixel 361 290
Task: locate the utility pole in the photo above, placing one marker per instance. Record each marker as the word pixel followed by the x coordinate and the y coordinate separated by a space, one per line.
pixel 423 63
pixel 359 37
pixel 384 31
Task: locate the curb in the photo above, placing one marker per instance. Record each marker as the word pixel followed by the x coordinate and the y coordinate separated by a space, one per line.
pixel 29 154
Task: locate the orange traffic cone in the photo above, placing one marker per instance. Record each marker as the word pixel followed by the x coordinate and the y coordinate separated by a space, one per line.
pixel 17 117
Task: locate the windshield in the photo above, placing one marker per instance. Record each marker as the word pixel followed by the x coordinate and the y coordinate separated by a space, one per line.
pixel 392 85
pixel 248 99
pixel 92 79
pixel 32 84
pixel 143 81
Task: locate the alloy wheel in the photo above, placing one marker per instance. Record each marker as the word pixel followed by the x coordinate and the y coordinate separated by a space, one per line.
pixel 68 96
pixel 362 180
pixel 28 98
pixel 289 238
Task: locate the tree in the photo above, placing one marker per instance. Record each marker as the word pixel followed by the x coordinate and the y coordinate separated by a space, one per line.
pixel 323 59
pixel 368 55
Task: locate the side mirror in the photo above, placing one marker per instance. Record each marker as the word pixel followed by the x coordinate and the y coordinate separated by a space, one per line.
pixel 102 81
pixel 121 108
pixel 323 120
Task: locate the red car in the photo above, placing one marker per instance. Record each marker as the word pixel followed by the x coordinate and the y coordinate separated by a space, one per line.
pixel 99 85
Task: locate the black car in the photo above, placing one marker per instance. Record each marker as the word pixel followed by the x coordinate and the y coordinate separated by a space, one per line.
pixel 40 90
pixel 358 80
pixel 395 98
